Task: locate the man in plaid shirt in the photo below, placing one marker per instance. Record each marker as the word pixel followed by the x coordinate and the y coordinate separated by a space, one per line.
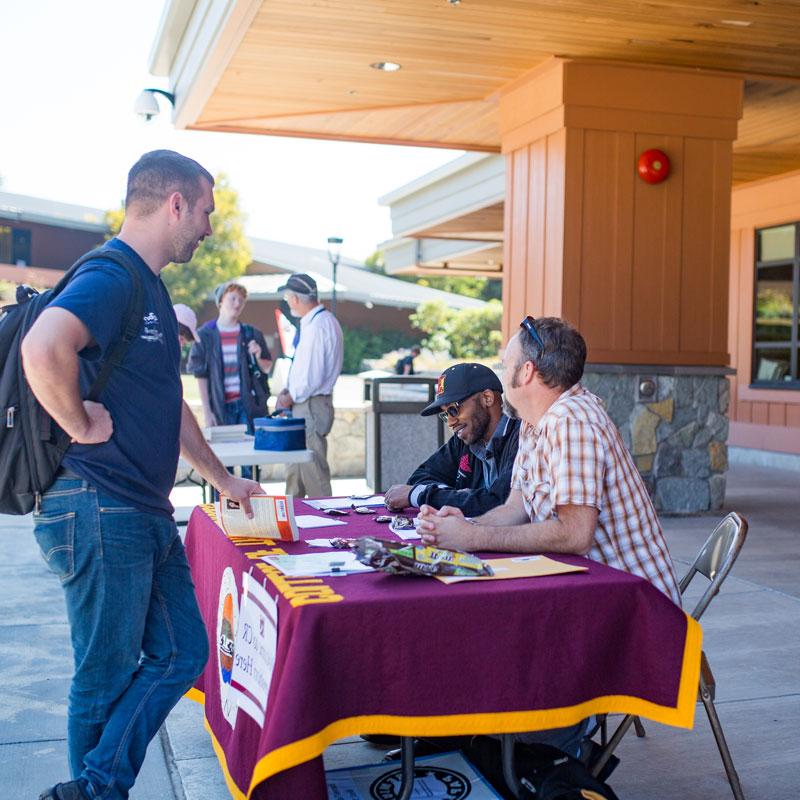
pixel 575 488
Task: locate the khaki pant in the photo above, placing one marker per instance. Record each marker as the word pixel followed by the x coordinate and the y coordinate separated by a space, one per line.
pixel 313 479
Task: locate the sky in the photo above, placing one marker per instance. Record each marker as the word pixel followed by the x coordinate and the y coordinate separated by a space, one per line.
pixel 71 73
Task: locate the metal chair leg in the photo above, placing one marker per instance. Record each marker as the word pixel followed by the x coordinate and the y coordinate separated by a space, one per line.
pixel 637 724
pixel 612 745
pixel 407 767
pixel 509 773
pixel 722 745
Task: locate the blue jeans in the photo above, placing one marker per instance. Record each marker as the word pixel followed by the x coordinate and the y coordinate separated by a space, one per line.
pixel 235 414
pixel 138 639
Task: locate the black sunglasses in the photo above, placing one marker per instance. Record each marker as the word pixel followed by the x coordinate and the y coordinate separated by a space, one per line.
pixel 527 324
pixel 453 410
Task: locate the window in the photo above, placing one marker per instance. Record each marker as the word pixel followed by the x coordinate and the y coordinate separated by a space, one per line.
pixel 775 342
pixel 6 245
pixel 15 246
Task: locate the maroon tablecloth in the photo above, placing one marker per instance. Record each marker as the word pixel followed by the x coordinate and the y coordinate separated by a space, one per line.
pixel 377 653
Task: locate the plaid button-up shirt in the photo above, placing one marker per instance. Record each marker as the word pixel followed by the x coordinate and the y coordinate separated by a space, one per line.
pixel 576 457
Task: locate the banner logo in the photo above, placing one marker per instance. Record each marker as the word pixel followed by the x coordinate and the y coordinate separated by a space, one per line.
pixel 441 782
pixel 227 618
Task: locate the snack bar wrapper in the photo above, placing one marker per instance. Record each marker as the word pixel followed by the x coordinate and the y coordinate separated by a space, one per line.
pixel 415 559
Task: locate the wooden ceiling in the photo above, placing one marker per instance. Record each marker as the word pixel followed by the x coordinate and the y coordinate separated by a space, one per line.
pixel 769 131
pixel 485 224
pixel 485 262
pixel 302 68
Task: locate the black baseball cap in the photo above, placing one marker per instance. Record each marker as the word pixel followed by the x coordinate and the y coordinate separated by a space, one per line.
pixel 300 283
pixel 459 382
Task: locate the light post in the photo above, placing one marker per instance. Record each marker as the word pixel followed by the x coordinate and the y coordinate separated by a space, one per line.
pixel 334 253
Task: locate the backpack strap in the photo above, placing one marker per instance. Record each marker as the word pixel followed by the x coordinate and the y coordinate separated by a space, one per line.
pixel 248 331
pixel 133 318
pixel 98 252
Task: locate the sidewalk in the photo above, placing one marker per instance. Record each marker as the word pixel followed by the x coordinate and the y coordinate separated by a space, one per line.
pixel 752 636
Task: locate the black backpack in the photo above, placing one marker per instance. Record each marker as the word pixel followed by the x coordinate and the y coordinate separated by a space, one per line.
pixel 547 773
pixel 32 445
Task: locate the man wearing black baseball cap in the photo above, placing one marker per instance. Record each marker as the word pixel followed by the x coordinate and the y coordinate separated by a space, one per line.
pixel 472 471
pixel 316 365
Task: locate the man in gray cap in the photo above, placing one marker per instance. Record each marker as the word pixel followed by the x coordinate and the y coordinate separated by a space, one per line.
pixel 316 365
pixel 472 471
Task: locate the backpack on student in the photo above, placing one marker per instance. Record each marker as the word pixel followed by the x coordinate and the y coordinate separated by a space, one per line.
pixel 32 444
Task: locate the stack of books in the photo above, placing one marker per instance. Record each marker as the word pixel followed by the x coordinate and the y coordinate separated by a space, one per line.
pixel 225 433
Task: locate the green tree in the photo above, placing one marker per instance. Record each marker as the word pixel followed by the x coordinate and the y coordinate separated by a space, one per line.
pixel 469 286
pixel 434 318
pixel 361 344
pixel 469 333
pixel 475 332
pixel 221 257
pixel 375 262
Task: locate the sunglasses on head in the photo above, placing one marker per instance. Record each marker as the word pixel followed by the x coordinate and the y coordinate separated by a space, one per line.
pixel 528 325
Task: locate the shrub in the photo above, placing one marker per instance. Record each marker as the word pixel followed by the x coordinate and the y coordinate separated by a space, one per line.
pixel 475 332
pixel 469 333
pixel 360 344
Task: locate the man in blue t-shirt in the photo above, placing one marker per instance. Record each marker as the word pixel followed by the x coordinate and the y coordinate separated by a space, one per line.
pixel 105 527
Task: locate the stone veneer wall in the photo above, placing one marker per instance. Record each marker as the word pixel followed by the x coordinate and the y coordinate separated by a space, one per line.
pixel 678 435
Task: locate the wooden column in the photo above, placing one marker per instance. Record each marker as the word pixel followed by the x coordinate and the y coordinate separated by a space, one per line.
pixel 640 269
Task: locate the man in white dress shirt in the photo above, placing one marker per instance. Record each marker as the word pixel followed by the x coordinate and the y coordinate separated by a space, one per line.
pixel 316 366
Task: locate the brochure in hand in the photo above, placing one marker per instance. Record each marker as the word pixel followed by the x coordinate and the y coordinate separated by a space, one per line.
pixel 273 517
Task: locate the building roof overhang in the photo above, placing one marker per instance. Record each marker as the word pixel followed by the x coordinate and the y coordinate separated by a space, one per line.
pixel 302 67
pixel 24 208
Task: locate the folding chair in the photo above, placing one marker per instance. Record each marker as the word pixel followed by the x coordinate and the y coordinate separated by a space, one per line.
pixel 714 561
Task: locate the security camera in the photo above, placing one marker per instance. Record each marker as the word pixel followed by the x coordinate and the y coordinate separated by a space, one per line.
pixel 146 104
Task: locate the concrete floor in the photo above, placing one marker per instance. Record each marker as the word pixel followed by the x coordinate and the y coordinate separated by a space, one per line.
pixel 752 637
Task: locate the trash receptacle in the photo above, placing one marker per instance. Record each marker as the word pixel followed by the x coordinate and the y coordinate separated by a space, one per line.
pixel 398 438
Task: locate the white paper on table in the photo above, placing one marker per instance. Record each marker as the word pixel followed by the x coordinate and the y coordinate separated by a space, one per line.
pixel 318 542
pixel 340 562
pixel 254 652
pixel 344 502
pixel 310 521
pixel 375 500
pixel 406 534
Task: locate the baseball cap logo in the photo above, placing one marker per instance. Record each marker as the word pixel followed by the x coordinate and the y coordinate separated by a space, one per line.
pixel 440 385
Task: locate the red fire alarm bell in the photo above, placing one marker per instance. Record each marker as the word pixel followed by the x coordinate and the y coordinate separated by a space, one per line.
pixel 653 166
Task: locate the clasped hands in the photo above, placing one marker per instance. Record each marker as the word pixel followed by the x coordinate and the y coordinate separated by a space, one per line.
pixel 446 527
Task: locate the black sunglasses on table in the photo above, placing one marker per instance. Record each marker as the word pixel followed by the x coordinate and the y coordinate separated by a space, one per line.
pixel 528 325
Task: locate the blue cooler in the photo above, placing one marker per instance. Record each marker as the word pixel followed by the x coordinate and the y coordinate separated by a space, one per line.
pixel 280 433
